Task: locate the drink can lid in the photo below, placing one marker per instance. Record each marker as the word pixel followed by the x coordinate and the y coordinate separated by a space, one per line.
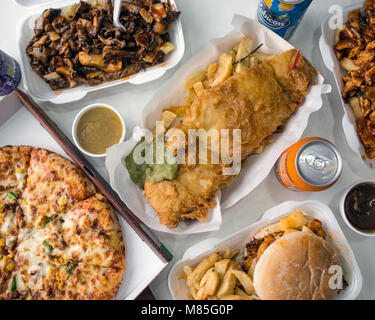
pixel 291 1
pixel 319 163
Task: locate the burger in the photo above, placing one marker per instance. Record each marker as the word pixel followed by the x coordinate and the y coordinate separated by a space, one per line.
pixel 292 260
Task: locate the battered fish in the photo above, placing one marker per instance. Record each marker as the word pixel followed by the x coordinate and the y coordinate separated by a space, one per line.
pixel 257 101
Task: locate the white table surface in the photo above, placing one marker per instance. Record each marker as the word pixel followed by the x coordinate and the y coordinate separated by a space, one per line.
pixel 203 20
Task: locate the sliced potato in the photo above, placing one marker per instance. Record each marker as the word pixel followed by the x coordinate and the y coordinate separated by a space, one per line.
pixel 211 69
pixel 273 228
pixel 294 221
pixel 201 294
pixel 167 47
pixel 179 111
pixel 226 253
pixel 70 13
pixel 194 78
pixel 234 254
pixel 182 276
pixel 198 88
pixel 349 65
pixel 190 97
pixel 260 56
pixel 205 277
pixel 92 60
pixel 53 36
pixel 229 282
pixel 112 67
pixel 149 58
pixel 195 277
pixel 244 49
pixel 245 281
pixel 240 292
pixel 187 270
pixel 212 283
pixel 306 229
pixel 168 117
pixel 356 107
pixel 224 70
pixel 221 267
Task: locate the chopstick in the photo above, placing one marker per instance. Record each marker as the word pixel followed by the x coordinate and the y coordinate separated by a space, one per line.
pixel 70 149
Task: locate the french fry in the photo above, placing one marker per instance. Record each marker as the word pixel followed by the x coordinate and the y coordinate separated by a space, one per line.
pixel 245 281
pixel 234 254
pixel 229 282
pixel 224 70
pixel 212 283
pixel 195 277
pixel 190 97
pixel 240 292
pixel 198 88
pixel 211 69
pixel 294 221
pixel 226 253
pixel 167 117
pixel 244 49
pixel 273 228
pixel 194 78
pixel 179 111
pixel 306 229
pixel 205 277
pixel 221 267
pixel 187 270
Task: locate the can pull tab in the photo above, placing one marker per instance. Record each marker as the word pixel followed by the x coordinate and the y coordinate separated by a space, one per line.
pixel 315 162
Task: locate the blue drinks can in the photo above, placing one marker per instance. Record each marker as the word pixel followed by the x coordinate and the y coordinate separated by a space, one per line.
pixel 282 16
pixel 10 74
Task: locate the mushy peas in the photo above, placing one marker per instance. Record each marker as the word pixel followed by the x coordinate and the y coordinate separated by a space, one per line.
pixel 98 129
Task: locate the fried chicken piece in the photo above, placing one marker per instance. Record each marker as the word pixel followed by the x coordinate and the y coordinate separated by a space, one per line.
pixel 265 244
pixel 316 226
pixel 257 101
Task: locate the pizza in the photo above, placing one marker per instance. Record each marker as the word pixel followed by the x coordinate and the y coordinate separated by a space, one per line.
pixel 59 237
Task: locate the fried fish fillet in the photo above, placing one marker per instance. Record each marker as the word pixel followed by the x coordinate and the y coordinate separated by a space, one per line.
pixel 257 101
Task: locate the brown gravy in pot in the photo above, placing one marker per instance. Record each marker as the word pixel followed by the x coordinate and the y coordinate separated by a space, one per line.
pixel 360 207
pixel 98 129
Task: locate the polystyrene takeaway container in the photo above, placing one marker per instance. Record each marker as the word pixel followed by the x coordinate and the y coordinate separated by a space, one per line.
pixel 326 43
pixel 314 209
pixel 39 89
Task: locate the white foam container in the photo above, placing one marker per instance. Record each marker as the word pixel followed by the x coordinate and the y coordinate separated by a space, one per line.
pixel 314 209
pixel 40 90
pixel 326 43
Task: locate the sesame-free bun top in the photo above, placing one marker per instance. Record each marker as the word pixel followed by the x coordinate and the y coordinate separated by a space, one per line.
pixel 295 267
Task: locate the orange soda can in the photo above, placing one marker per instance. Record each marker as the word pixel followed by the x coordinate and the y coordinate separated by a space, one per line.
pixel 312 164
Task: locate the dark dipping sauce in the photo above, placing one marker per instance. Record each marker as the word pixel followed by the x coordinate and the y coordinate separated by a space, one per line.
pixel 360 206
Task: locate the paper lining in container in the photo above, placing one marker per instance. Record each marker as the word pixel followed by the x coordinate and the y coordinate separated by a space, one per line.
pixel 40 90
pixel 314 209
pixel 326 43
